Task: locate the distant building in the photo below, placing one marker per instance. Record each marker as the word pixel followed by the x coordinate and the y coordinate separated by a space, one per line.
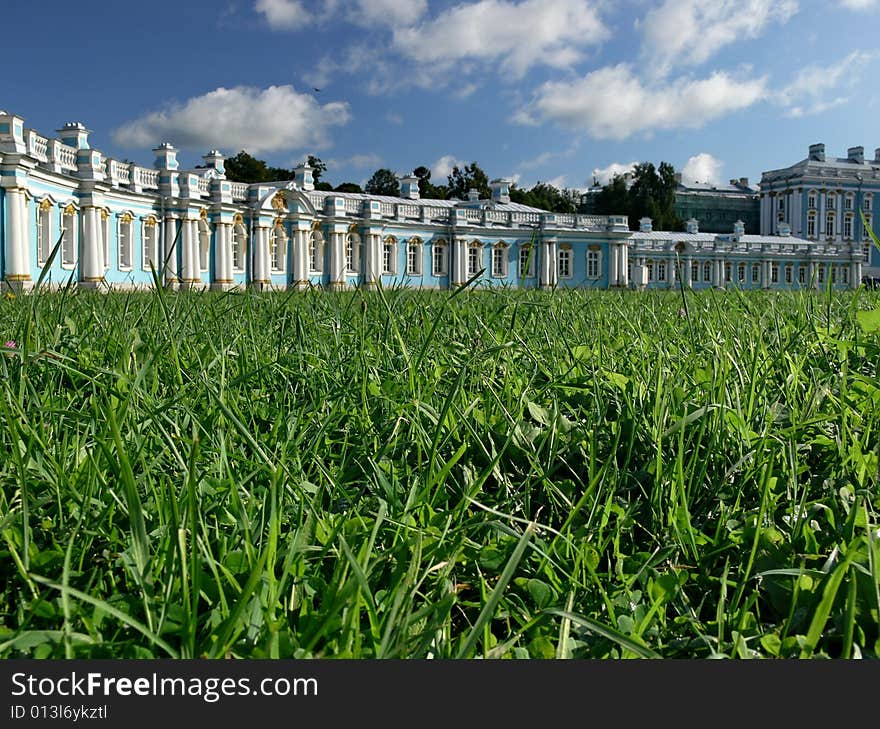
pixel 821 199
pixel 718 207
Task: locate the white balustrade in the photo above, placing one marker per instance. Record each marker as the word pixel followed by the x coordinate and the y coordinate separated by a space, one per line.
pixel 38 146
pixel 67 157
pixel 239 191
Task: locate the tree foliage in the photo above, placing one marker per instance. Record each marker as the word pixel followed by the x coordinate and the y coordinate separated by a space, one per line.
pixel 651 195
pixel 461 180
pixel 348 187
pixel 427 189
pixel 547 197
pixel 383 182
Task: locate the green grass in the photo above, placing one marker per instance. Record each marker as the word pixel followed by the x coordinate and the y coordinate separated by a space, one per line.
pixel 411 474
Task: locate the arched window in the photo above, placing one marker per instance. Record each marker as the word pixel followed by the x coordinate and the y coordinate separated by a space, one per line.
pixel 389 257
pixel 239 245
pixel 70 239
pixel 414 256
pixel 204 244
pixel 124 243
pixel 278 246
pixel 316 251
pixel 475 254
pixel 149 254
pixel 439 258
pixel 44 231
pixel 499 260
pixel 352 253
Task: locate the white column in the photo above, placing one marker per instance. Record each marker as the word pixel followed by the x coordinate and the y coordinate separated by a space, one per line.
pixel 673 265
pixel 820 220
pixel 222 257
pixel 855 274
pixel 185 242
pixel 372 260
pixel 613 268
pixel 623 264
pixel 169 251
pixel 688 277
pixel 300 254
pixel 92 265
pixel 18 266
pixel 457 269
pixel 260 267
pixel 337 261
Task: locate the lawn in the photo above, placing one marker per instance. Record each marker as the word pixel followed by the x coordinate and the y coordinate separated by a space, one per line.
pixel 412 474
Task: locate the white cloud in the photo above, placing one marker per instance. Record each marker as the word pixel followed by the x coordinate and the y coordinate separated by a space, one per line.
pixel 358 161
pixel 858 4
pixel 394 118
pixel 513 35
pixel 611 103
pixel 284 14
pixel 442 168
pixel 702 167
pixel 810 91
pixel 689 32
pixel 294 15
pixel 243 117
pixel 604 175
pixel 558 182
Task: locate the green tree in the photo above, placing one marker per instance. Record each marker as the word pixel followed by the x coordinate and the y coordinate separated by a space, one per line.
pixel 613 198
pixel 348 187
pixel 318 169
pixel 244 168
pixel 460 181
pixel 427 189
pixel 653 196
pixel 383 182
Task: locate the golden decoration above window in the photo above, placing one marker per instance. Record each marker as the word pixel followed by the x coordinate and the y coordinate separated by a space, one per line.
pixel 279 202
pixel 45 205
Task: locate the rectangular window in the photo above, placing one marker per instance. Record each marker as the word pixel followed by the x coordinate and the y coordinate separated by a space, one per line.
pixel 661 271
pixel 741 273
pixel 867 203
pixel 802 274
pixel 499 261
pixel 44 233
pixel 593 264
pixel 124 241
pixel 811 226
pixel 707 272
pixel 650 266
pixel 829 226
pixel 774 273
pixel 564 263
pixel 526 262
pixel 239 236
pixel 695 271
pixel 834 274
pixel 414 259
pixel 866 254
pixel 387 258
pixel 847 202
pixel 278 242
pixel 831 202
pixel 149 248
pixel 820 273
pixel 811 201
pixel 844 274
pixel 473 260
pixel 439 259
pixel 789 275
pixel 70 241
pixel 756 273
pixel 848 227
pixel 728 272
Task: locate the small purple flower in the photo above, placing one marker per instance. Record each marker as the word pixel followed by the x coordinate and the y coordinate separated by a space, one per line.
pixel 10 344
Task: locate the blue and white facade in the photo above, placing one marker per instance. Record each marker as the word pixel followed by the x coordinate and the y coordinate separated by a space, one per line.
pixel 115 223
pixel 822 199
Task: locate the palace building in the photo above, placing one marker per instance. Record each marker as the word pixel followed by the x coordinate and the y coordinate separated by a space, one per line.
pixel 822 200
pixel 115 223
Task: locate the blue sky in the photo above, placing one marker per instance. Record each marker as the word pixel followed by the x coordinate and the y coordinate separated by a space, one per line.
pixel 549 90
